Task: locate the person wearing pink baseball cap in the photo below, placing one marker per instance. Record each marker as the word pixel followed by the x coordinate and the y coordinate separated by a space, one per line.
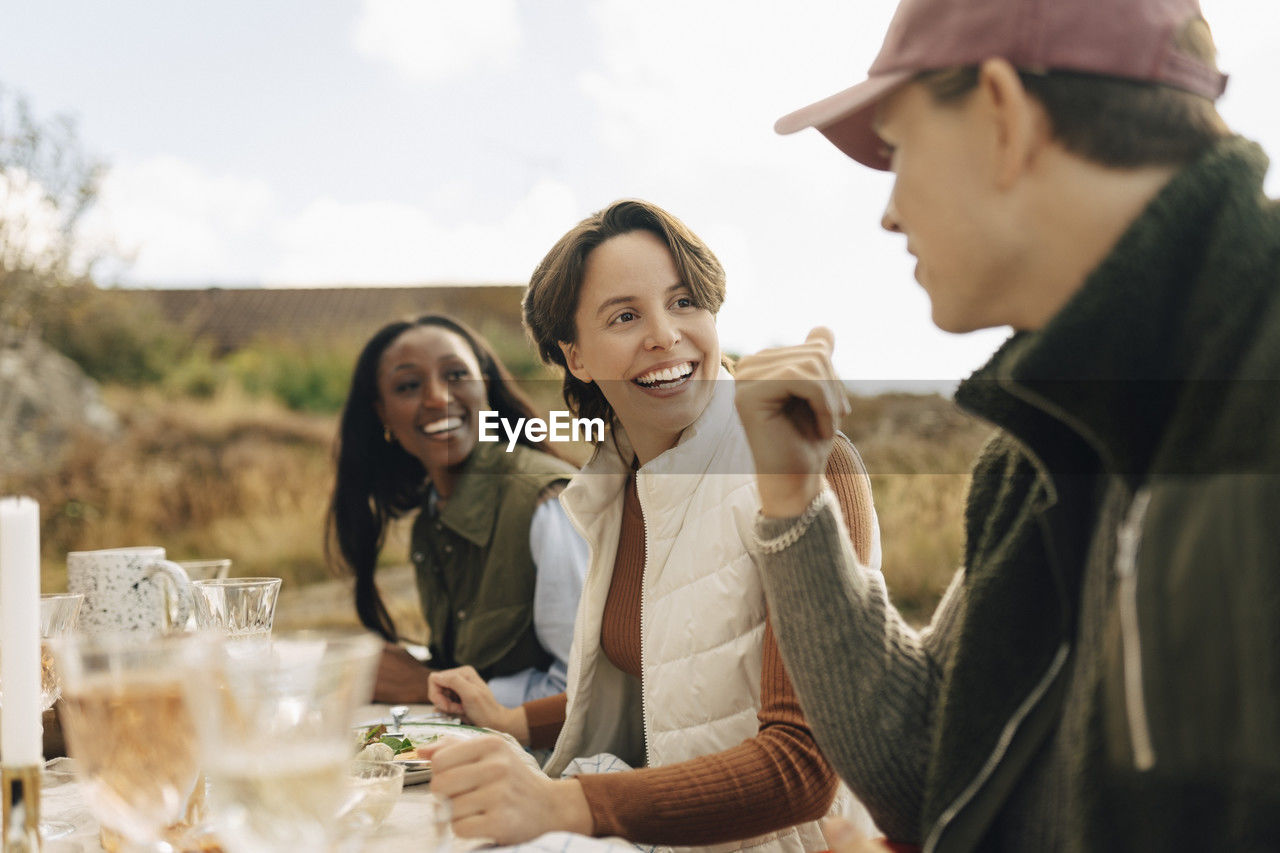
pixel 1104 671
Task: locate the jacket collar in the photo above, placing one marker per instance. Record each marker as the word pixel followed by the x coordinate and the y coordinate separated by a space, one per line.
pixel 601 480
pixel 471 510
pixel 1112 363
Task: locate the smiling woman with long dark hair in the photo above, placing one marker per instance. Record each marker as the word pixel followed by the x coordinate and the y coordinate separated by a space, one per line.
pixel 498 566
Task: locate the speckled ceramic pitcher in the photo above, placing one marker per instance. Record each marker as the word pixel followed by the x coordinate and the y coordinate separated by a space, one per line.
pixel 125 589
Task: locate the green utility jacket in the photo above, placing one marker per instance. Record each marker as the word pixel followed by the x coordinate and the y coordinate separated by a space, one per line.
pixel 1139 446
pixel 473 566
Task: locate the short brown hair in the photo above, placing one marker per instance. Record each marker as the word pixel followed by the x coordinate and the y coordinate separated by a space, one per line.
pixel 1108 120
pixel 551 300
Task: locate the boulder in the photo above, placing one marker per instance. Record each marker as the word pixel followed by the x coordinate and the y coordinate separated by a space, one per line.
pixel 45 398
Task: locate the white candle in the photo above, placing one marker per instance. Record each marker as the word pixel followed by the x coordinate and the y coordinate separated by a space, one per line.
pixel 20 733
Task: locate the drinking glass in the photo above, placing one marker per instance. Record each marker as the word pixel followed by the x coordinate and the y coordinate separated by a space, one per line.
pixel 372 790
pixel 240 608
pixel 129 729
pixel 276 736
pixel 198 570
pixel 59 613
pixel 206 570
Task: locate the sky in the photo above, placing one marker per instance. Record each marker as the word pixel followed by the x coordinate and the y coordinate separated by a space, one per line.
pixel 288 143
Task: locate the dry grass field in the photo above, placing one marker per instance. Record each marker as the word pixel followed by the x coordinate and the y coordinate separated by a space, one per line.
pixel 245 478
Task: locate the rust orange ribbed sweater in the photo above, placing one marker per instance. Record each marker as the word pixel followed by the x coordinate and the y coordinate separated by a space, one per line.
pixel 775 779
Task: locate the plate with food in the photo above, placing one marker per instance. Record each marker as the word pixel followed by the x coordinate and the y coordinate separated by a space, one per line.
pixel 381 743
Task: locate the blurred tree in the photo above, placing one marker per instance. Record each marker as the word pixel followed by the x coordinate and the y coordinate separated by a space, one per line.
pixel 47 183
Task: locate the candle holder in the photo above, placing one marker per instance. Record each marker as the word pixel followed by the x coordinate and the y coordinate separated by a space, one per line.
pixel 21 808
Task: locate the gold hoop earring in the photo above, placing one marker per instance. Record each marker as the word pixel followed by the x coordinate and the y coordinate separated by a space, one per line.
pixel 386 435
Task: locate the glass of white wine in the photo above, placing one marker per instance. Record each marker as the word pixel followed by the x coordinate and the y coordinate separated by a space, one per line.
pixel 276 736
pixel 129 730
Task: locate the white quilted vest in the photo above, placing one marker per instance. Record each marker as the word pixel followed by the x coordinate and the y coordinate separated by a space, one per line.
pixel 702 609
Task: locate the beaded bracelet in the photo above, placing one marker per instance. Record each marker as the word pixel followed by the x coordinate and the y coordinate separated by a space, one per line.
pixel 792 534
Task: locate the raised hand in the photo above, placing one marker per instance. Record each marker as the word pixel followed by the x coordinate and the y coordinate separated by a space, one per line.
pixel 494 794
pixel 790 401
pixel 463 693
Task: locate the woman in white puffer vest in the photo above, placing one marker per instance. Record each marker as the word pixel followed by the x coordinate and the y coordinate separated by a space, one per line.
pixel 674 669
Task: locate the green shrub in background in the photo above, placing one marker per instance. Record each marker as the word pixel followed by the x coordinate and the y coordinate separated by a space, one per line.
pixel 198 374
pixel 130 343
pixel 113 340
pixel 306 376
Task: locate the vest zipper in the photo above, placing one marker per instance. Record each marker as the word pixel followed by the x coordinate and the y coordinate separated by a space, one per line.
pixel 644 590
pixel 1002 745
pixel 1128 538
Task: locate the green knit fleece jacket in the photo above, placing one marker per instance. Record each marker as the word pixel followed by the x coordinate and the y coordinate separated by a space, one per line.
pixel 1104 674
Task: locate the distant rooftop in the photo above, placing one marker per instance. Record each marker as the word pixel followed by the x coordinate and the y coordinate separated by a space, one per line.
pixel 232 317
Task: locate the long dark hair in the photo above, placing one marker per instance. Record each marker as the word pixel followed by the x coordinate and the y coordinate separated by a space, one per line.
pixel 378 481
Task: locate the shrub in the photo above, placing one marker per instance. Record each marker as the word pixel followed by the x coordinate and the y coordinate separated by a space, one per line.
pixel 113 341
pixel 308 376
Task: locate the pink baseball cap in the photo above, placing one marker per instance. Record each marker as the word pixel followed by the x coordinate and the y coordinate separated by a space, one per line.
pixel 1132 39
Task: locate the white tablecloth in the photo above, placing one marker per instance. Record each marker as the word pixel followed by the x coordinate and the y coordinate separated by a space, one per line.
pixel 409 827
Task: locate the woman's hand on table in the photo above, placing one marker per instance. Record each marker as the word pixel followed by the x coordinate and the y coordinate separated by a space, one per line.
pixel 463 693
pixel 401 678
pixel 790 402
pixel 494 794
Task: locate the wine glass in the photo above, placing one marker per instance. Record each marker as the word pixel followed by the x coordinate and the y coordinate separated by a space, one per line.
pixel 129 730
pixel 276 735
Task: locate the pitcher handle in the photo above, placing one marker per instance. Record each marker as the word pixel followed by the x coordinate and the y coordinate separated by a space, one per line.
pixel 180 605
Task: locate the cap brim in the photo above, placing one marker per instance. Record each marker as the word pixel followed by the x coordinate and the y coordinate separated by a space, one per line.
pixel 845 118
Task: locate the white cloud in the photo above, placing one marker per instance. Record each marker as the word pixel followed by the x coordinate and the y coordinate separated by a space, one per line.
pixel 176 224
pixel 708 88
pixel 391 243
pixel 689 110
pixel 432 40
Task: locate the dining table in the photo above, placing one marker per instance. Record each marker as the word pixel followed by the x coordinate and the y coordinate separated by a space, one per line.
pixel 410 826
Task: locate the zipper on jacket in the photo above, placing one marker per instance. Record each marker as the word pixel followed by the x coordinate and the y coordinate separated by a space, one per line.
pixel 644 595
pixel 1128 538
pixel 1002 746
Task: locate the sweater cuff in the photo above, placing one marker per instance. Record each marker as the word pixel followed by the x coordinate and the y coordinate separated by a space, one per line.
pixel 608 804
pixel 545 718
pixel 817 545
pixel 774 535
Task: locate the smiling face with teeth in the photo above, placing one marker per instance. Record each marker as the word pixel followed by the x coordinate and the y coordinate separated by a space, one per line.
pixel 643 340
pixel 430 390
